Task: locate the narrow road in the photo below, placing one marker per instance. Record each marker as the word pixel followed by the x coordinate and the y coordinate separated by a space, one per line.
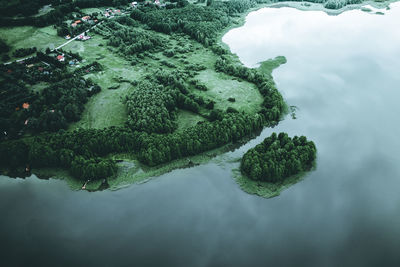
pixel 64 44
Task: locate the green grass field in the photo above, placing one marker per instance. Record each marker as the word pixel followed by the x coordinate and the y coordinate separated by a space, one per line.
pixel 37 88
pixel 28 36
pixel 221 87
pixel 187 119
pixel 106 108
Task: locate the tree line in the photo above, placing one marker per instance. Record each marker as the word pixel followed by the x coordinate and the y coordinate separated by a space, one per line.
pixel 128 40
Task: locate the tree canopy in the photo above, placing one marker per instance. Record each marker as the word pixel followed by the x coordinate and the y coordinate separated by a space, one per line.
pixel 278 157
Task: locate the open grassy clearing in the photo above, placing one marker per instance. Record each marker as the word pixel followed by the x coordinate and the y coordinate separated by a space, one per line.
pixel 37 88
pixel 221 87
pixel 106 108
pixel 28 36
pixel 44 10
pixel 187 119
pixel 92 10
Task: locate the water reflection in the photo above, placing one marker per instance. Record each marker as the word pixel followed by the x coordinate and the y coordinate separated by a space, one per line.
pixel 343 74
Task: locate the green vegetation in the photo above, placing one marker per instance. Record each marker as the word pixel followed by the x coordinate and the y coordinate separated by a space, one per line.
pixel 27 37
pixel 4 48
pixel 151 88
pixel 263 188
pixel 22 52
pixel 337 4
pixel 278 157
pixel 51 109
pixel 269 65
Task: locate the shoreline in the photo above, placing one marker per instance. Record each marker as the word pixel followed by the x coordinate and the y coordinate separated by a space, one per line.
pixel 268 189
pixel 136 174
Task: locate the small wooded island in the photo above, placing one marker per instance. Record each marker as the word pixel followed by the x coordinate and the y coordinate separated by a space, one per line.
pixel 277 161
pixel 278 157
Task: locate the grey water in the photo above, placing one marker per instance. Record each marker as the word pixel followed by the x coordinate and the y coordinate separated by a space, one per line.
pixel 343 74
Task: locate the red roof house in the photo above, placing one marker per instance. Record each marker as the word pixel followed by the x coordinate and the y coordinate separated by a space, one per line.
pixel 60 58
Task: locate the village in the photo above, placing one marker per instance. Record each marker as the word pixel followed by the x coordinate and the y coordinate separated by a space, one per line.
pixel 53 65
pixel 78 26
pixel 88 21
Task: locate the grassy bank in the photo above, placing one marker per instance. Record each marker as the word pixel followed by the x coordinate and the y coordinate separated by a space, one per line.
pixel 131 171
pixel 265 189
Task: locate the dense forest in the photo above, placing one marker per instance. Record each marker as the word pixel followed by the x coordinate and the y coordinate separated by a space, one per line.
pixel 129 41
pixel 278 157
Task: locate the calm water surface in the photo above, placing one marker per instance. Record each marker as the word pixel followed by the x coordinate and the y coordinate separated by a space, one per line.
pixel 343 74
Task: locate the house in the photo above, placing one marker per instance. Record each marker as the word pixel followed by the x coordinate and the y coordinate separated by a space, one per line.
pixel 30 66
pixel 26 122
pixel 40 69
pixel 25 105
pixel 75 23
pixel 60 58
pixel 84 37
pixel 9 71
pixel 85 18
pixel 157 2
pixel 106 14
pixel 68 36
pixel 134 4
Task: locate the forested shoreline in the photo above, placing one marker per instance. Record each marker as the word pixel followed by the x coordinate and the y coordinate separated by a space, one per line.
pixel 151 132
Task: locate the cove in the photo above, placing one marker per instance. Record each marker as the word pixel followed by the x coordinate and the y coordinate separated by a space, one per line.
pixel 342 73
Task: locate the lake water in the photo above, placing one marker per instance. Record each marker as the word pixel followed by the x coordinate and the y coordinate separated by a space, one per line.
pixel 343 74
